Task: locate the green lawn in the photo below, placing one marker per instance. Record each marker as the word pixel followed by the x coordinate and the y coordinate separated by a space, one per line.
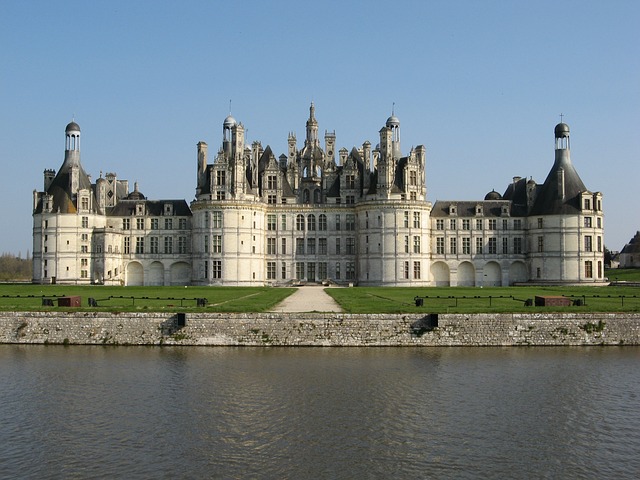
pixel 352 300
pixel 623 274
pixel 218 299
pixel 482 300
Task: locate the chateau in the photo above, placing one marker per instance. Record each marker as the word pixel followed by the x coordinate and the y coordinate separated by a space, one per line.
pixel 315 215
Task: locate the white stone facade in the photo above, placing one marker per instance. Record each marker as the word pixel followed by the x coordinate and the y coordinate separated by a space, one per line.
pixel 315 215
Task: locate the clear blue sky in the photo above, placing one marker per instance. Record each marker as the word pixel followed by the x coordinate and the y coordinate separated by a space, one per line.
pixel 480 83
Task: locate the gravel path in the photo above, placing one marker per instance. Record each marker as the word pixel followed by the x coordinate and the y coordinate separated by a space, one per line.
pixel 308 299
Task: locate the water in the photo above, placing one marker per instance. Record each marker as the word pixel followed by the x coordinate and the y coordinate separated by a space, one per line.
pixel 138 412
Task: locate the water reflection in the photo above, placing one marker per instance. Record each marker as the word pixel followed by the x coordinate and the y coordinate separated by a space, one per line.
pixel 94 412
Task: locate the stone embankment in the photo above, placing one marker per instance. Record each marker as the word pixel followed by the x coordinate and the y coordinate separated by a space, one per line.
pixel 319 329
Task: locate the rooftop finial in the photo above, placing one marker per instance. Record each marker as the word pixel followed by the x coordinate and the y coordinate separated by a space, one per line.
pixel 561 117
pixel 229 106
pixel 393 109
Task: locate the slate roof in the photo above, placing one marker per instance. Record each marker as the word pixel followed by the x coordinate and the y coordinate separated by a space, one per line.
pixel 490 208
pixel 153 208
pixel 549 200
pixel 633 246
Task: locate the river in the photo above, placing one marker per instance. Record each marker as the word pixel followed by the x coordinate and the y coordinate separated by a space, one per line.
pixel 295 413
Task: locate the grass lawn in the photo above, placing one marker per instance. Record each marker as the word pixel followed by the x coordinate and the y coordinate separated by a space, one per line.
pixel 623 274
pixel 218 299
pixel 482 300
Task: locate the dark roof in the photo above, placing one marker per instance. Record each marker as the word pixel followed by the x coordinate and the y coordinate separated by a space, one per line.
pixel 72 127
pixel 633 246
pixel 550 201
pixel 490 208
pixel 154 208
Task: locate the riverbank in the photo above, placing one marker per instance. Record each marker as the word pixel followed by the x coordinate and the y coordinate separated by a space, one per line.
pixel 319 329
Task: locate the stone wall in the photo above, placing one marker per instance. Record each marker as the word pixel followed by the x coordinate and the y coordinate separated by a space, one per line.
pixel 313 329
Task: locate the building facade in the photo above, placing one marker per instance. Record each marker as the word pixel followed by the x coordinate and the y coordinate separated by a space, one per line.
pixel 315 214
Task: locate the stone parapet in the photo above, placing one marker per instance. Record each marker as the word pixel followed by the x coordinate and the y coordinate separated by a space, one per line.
pixel 317 329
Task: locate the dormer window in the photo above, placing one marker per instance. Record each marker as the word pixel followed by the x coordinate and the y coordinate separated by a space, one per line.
pixel 139 209
pixel 168 209
pixel 453 210
pixel 478 209
pixel 505 210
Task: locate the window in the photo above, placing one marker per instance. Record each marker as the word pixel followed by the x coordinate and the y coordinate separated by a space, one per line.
pixel 350 199
pixel 406 271
pixel 599 222
pixel 182 223
pixel 493 246
pixel 413 177
pixel 153 244
pixel 311 222
pixel 350 181
pixel 272 184
pixel 271 270
pixel 587 204
pixel 84 203
pixel 505 245
pixel 272 199
pixel 350 222
pixel 466 246
pixel 322 247
pixel 337 270
pixel 406 244
pixel 139 244
pixel 299 270
pixel 416 219
pixel 478 224
pixel 154 223
pixel 322 222
pixel 588 246
pixel 283 222
pixel 216 219
pixel 168 245
pixel 517 245
pixel 220 195
pixel 206 269
pixel 416 270
pixel 351 246
pixel 599 244
pixel 416 244
pixel 540 223
pixel 271 222
pixel 139 223
pixel 492 224
pixel 453 224
pixel 453 245
pixel 466 224
pixel 414 196
pixel 220 177
pixel 599 269
pixel 540 244
pixel 84 237
pixel 406 219
pixel 127 245
pixel 217 243
pixel 479 245
pixel 505 224
pixel 440 245
pixel 182 244
pixel 350 271
pixel 311 246
pixel 126 224
pixel 337 246
pixel 311 271
pixel 587 222
pixel 299 222
pixel 588 268
pixel 517 224
pixel 283 269
pixel 85 222
pixel 168 224
pixel 300 246
pixel 217 269
pixel 322 270
pixel 84 274
pixel 84 262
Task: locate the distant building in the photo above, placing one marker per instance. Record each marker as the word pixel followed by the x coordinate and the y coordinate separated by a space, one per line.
pixel 630 254
pixel 315 214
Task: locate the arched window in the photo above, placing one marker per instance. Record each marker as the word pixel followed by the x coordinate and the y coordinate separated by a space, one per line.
pixel 317 198
pixel 311 222
pixel 305 196
pixel 299 222
pixel 322 222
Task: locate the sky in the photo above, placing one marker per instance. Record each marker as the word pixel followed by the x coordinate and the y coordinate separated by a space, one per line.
pixel 481 84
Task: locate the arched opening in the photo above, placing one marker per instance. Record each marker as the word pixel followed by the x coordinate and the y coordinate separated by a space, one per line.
pixel 180 274
pixel 466 275
pixel 317 197
pixel 135 274
pixel 155 274
pixel 440 274
pixel 305 196
pixel 492 275
pixel 518 273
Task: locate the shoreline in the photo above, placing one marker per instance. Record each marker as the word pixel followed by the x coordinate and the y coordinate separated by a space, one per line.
pixel 320 329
